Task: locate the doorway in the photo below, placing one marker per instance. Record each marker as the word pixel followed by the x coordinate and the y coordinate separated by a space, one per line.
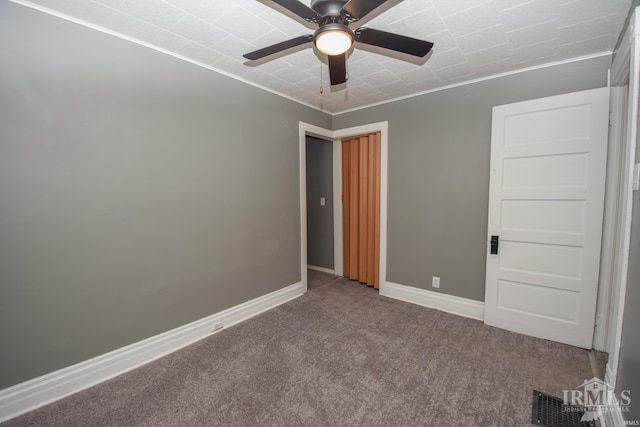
pixel 361 207
pixel 319 163
pixel 305 130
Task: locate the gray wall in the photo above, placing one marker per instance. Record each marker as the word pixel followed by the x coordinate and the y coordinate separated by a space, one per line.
pixel 319 218
pixel 138 192
pixel 629 367
pixel 438 176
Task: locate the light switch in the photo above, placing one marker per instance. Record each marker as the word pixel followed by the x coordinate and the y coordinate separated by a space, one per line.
pixel 636 177
pixel 322 202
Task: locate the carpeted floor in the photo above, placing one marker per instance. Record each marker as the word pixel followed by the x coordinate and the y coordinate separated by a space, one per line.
pixel 317 278
pixel 339 355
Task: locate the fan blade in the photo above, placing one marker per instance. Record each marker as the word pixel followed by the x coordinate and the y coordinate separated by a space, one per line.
pixel 360 8
pixel 392 41
pixel 338 69
pixel 300 9
pixel 278 47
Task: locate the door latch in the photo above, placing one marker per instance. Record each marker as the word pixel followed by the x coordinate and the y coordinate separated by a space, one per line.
pixel 494 245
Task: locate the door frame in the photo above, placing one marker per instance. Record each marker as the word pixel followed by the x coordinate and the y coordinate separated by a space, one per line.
pixel 612 203
pixel 624 76
pixel 306 129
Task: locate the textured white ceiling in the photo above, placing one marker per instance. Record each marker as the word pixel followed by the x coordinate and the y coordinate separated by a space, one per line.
pixel 473 39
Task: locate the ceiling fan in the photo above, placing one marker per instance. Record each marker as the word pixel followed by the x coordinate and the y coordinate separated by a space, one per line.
pixel 334 37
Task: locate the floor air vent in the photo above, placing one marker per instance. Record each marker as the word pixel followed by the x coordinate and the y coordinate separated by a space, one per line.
pixel 550 411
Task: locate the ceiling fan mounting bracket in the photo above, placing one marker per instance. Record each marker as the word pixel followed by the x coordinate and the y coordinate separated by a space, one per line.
pixel 332 19
pixel 328 7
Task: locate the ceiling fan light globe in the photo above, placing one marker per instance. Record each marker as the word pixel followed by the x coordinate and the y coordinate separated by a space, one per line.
pixel 333 42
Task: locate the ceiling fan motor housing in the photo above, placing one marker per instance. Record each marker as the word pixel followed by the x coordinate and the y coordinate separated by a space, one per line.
pixel 334 27
pixel 328 7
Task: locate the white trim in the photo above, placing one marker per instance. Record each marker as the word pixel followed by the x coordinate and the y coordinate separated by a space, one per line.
pixel 610 227
pixel 631 41
pixel 306 129
pixel 37 392
pixel 608 375
pixel 449 303
pixel 338 236
pixel 613 415
pixel 61 15
pixel 321 269
pixel 302 150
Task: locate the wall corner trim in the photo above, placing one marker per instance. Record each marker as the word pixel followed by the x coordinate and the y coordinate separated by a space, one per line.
pixel 29 395
pixel 449 303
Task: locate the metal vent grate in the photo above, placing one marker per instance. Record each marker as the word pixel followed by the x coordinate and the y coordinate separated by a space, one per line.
pixel 549 411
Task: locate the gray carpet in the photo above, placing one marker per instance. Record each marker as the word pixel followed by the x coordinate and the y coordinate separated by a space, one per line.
pixel 339 355
pixel 317 278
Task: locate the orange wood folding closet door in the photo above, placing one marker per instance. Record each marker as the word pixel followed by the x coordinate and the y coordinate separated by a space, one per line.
pixel 361 208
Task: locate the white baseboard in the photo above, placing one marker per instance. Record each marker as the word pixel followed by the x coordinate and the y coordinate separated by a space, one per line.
pixel 613 415
pixel 443 302
pixel 321 269
pixel 37 392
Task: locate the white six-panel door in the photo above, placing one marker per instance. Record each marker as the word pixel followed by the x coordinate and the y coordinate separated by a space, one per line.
pixel 548 159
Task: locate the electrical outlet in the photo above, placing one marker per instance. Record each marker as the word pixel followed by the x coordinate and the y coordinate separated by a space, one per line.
pixel 435 282
pixel 636 177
